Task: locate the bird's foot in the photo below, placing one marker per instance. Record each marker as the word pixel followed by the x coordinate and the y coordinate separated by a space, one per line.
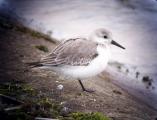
pixel 84 89
pixel 89 90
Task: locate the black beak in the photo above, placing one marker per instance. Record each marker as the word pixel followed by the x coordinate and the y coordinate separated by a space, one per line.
pixel 116 44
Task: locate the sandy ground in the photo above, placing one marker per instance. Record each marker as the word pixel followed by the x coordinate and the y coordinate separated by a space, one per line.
pixel 17 48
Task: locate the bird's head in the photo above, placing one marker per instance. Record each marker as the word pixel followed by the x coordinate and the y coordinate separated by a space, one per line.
pixel 104 37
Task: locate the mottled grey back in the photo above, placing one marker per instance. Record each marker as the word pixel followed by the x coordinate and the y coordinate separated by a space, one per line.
pixel 76 52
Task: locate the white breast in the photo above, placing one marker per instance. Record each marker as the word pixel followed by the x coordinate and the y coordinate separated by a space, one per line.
pixel 95 67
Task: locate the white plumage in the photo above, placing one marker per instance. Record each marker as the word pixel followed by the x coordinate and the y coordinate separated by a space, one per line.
pixel 80 57
pixel 96 66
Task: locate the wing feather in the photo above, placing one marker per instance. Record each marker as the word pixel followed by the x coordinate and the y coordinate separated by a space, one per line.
pixel 74 52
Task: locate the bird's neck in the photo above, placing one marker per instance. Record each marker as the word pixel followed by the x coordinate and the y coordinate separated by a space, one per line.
pixel 105 49
pixel 103 46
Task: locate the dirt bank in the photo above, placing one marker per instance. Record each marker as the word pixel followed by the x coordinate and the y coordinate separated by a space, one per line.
pixel 18 47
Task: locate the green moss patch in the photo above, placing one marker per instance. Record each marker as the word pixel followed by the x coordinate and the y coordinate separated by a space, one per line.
pixel 42 48
pixel 36 105
pixel 34 33
pixel 17 26
pixel 88 116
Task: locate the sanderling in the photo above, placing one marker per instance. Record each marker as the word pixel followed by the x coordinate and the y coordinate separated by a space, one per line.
pixel 80 58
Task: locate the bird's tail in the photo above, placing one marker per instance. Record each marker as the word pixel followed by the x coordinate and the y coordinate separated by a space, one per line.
pixel 34 64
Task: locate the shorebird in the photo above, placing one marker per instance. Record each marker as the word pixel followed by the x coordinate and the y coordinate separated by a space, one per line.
pixel 80 58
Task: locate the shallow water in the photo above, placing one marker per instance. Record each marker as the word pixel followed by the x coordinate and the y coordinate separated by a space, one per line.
pixel 133 23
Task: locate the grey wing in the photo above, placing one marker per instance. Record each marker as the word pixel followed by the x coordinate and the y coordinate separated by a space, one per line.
pixel 74 52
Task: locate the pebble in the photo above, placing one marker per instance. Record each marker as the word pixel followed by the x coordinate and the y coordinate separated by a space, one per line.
pixel 60 87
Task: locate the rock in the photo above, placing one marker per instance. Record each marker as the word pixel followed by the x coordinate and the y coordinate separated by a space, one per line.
pixel 65 111
pixel 60 87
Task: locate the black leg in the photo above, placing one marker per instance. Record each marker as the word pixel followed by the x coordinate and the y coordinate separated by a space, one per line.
pixel 83 88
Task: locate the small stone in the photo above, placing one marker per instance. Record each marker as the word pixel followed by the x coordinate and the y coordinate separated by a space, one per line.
pixel 65 111
pixel 60 87
pixel 146 79
pixel 149 83
pixel 137 74
pixel 117 92
pixel 153 88
pixel 62 102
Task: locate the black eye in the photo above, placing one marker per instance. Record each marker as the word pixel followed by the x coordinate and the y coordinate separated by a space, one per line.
pixel 105 37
